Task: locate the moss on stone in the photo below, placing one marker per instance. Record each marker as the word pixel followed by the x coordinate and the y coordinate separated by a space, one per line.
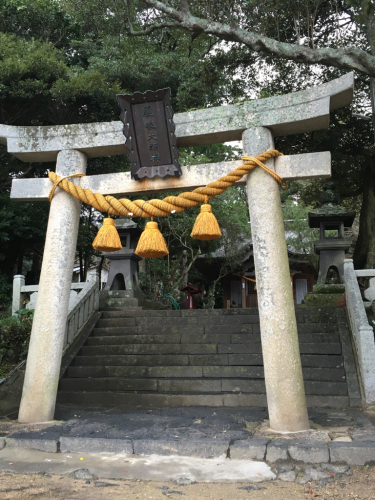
pixel 322 299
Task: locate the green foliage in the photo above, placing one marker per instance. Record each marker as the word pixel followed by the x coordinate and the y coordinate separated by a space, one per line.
pixel 299 236
pixel 15 333
pixel 5 290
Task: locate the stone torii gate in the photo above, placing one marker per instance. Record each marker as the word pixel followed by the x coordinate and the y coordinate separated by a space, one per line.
pixel 256 123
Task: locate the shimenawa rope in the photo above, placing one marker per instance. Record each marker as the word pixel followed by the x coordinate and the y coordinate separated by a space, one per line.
pixel 163 208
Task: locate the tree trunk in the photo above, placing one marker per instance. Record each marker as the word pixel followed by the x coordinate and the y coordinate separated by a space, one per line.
pixel 87 258
pixel 20 263
pixel 32 277
pixel 364 253
pixel 81 266
pixel 100 271
pixel 184 273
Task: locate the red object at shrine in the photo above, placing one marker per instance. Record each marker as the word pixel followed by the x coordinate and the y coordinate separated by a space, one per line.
pixel 190 291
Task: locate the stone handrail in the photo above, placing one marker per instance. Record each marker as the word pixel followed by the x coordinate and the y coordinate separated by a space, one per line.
pixel 362 332
pixel 81 307
pixel 86 303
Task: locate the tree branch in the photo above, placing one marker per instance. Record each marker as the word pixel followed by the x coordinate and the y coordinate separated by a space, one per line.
pixel 150 29
pixel 350 58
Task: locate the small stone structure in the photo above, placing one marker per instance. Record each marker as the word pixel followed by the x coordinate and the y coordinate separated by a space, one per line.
pixel 124 263
pixel 331 248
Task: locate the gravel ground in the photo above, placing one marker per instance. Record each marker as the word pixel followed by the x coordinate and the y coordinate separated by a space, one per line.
pixel 24 487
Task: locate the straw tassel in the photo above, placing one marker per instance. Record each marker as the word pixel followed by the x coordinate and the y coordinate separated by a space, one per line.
pixel 206 226
pixel 107 239
pixel 151 244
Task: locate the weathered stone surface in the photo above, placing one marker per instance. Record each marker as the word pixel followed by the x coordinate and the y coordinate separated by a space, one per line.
pixel 329 289
pixel 18 283
pixel 108 384
pixel 305 479
pixel 288 476
pixel 95 445
pixel 277 451
pixel 49 445
pixel 202 448
pixel 355 453
pixel 244 386
pixel 309 453
pixel 189 386
pixel 49 324
pixel 2 443
pixel 297 112
pixel 233 371
pixel 336 469
pixel 84 474
pixel 316 475
pixel 362 332
pixel 281 354
pixel 322 299
pixel 208 360
pixel 249 449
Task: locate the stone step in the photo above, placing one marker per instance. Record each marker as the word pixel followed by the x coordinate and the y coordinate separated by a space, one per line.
pixel 144 400
pixel 191 385
pixel 135 339
pixel 149 349
pixel 318 328
pixel 133 360
pixel 311 361
pixel 198 330
pixel 323 374
pixel 155 321
pixel 255 348
pixel 318 361
pixel 130 336
pixel 128 312
pixel 140 371
pixel 118 302
pixel 116 322
pixel 122 294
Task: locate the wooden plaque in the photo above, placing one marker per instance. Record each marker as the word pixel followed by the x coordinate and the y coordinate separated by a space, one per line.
pixel 149 132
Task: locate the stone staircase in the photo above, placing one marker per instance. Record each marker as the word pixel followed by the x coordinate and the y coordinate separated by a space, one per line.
pixel 136 357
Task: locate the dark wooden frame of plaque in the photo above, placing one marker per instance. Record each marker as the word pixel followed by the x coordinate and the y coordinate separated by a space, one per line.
pixel 136 141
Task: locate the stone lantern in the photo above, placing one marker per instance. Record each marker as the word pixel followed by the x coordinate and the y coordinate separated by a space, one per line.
pixel 123 273
pixel 331 219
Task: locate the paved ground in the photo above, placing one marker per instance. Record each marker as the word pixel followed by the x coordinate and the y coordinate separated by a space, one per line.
pixel 189 423
pixel 27 473
pixel 360 486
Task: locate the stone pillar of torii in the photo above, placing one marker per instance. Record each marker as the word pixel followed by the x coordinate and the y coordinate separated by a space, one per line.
pixel 256 122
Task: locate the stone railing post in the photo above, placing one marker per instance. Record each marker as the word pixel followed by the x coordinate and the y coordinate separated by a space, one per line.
pixel 18 283
pixel 96 294
pixel 362 332
pixel 281 357
pixel 51 311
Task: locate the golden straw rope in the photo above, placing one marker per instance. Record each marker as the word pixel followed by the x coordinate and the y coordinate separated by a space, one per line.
pixel 57 182
pixel 163 208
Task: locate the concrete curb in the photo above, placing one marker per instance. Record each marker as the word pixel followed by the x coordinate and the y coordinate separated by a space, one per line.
pixel 277 451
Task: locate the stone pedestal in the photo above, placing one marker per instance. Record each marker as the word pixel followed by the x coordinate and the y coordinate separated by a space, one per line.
pixel 325 295
pixel 282 363
pixel 47 335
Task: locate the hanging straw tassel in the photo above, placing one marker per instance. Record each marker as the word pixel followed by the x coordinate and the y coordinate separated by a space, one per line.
pixel 151 244
pixel 107 239
pixel 206 226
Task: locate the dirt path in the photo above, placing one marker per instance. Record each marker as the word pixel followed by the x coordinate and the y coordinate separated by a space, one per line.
pixel 24 487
